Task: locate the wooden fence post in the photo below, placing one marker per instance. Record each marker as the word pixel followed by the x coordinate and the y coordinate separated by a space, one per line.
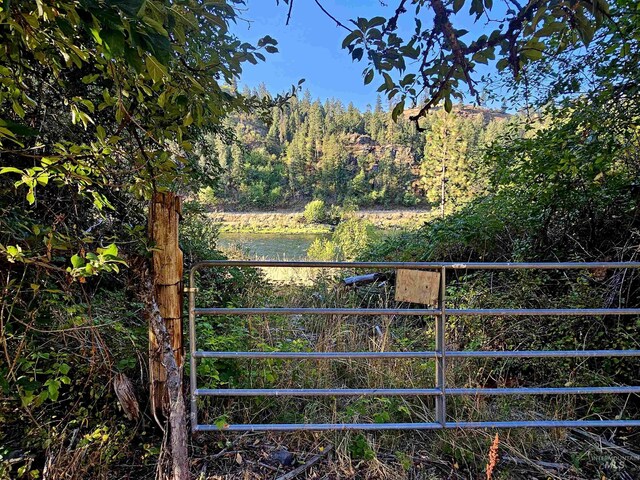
pixel 164 216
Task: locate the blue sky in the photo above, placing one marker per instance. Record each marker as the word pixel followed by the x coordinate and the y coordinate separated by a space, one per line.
pixel 310 47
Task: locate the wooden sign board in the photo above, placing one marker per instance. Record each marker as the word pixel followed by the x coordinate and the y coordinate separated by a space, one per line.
pixel 418 286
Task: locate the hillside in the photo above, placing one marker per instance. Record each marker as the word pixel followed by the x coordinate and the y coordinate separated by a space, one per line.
pixel 313 150
pixel 466 111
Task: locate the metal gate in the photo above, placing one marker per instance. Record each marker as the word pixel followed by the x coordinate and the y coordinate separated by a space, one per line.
pixel 442 391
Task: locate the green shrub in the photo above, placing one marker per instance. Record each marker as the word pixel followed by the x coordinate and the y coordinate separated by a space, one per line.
pixel 324 249
pixel 354 236
pixel 410 199
pixel 315 212
pixel 348 241
pixel 334 215
pixel 207 196
pixel 198 234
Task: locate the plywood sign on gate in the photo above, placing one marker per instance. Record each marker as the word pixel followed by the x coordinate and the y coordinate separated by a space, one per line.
pixel 417 286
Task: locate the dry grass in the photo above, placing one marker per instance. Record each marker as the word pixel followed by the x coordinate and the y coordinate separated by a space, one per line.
pixel 410 456
pixel 291 276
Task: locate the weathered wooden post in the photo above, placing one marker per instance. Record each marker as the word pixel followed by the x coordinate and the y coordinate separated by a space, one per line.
pixel 164 216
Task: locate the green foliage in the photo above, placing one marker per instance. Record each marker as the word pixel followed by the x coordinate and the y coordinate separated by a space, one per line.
pixel 126 56
pixel 324 249
pixel 340 155
pixel 353 236
pixel 562 187
pixel 100 106
pixel 360 449
pixel 61 375
pixel 350 238
pixel 207 196
pixel 315 212
pixel 198 234
pixel 454 144
pixel 104 260
pixel 118 95
pixel 104 104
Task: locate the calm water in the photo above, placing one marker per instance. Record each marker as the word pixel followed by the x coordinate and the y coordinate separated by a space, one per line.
pixel 270 246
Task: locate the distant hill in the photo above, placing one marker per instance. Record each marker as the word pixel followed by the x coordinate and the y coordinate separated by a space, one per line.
pixel 340 154
pixel 467 111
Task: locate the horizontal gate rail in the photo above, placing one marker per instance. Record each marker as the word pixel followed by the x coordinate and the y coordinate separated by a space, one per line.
pixel 420 312
pixel 318 392
pixel 425 355
pixel 441 391
pixel 317 311
pixel 289 427
pixel 390 392
pixel 420 265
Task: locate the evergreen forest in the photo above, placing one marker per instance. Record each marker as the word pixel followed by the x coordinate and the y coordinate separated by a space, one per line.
pixel 310 149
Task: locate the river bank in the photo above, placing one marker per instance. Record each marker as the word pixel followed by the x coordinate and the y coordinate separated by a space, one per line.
pixel 292 222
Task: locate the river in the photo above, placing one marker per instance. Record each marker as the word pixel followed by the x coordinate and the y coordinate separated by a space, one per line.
pixel 270 246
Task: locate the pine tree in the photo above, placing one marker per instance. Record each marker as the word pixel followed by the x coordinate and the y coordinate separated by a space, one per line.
pixel 450 160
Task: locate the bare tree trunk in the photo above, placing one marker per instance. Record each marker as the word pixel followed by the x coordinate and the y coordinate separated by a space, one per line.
pixel 163 301
pixel 443 182
pixel 177 410
pixel 164 218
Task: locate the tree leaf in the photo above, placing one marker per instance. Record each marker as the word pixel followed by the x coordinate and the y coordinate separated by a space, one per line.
pixel 368 77
pixel 18 128
pixel 10 170
pixel 502 64
pixel 531 54
pixel 114 41
pixel 112 250
pixel 376 22
pixel 77 261
pixel 448 105
pixel 53 386
pixel 397 110
pixel 350 38
pixel 156 70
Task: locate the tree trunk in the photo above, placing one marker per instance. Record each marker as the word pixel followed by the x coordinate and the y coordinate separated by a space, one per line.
pixel 163 300
pixel 164 214
pixel 173 386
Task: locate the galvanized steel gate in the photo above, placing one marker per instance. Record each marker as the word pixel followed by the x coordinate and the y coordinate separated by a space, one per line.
pixel 441 391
